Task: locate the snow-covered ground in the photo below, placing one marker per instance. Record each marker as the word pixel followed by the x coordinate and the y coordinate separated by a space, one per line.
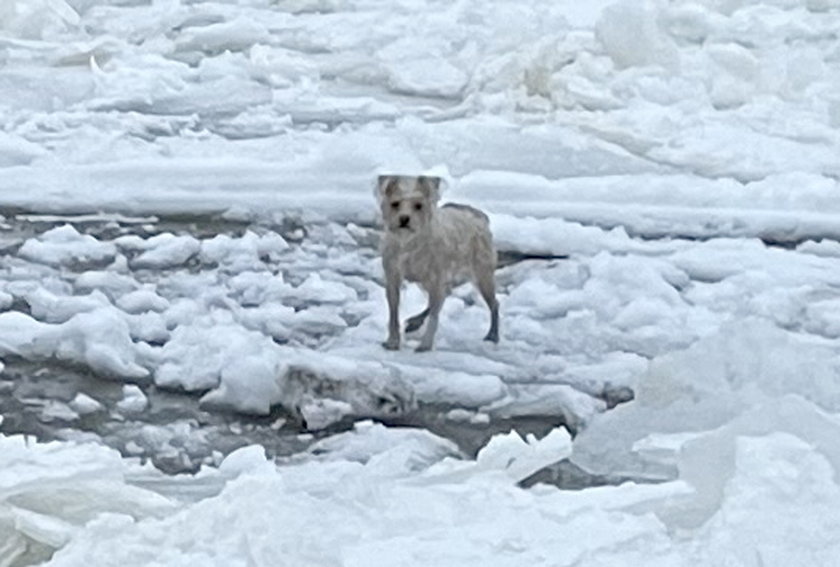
pixel 187 198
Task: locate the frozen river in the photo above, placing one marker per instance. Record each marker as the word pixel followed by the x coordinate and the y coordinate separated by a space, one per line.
pixel 191 299
pixel 54 398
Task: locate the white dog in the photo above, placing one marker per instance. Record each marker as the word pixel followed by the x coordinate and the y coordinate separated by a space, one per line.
pixel 437 248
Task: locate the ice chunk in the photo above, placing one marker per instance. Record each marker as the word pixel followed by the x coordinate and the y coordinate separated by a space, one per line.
pixel 710 384
pixel 64 246
pixel 166 251
pixel 142 300
pixel 631 34
pixel 575 407
pixel 108 282
pixel 133 400
pixel 427 76
pixel 49 491
pixel 248 383
pixel 98 339
pixel 84 404
pixel 55 410
pixel 396 451
pixel 31 19
pixel 51 308
pixel 235 35
pixel 520 458
pixel 6 300
pixel 197 354
pixel 246 460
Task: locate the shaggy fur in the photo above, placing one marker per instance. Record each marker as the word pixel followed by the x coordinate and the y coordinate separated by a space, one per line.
pixel 438 248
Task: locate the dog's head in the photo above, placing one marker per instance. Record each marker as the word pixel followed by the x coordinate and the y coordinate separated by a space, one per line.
pixel 407 202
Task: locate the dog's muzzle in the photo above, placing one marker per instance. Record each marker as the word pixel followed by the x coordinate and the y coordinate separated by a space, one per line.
pixel 404 220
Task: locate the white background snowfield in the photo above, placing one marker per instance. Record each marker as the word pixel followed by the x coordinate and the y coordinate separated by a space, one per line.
pixel 682 154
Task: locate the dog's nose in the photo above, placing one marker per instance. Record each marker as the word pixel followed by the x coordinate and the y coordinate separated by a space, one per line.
pixel 404 220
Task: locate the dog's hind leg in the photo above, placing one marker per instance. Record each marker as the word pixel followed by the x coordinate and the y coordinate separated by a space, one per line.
pixel 416 321
pixel 486 284
pixel 436 298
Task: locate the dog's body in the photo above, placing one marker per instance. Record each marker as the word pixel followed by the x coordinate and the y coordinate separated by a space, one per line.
pixel 438 248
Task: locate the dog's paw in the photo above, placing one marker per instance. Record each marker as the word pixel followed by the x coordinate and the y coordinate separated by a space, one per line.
pixel 492 337
pixel 423 348
pixel 391 344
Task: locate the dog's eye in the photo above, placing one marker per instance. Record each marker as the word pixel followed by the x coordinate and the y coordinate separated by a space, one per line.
pixel 418 206
pixel 395 205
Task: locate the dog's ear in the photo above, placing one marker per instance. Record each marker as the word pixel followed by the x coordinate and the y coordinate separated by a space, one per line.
pixel 430 186
pixel 386 185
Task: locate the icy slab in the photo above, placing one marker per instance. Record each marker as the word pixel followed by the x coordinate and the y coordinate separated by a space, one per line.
pixel 48 492
pixel 747 370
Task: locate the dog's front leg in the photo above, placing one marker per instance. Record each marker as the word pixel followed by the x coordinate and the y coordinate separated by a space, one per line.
pixel 392 291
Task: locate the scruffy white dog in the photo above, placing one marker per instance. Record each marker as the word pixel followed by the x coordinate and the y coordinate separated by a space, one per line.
pixel 436 247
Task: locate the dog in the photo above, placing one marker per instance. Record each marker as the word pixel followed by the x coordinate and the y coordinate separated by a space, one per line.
pixel 435 247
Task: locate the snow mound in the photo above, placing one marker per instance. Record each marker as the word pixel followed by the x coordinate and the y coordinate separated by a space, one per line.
pixel 64 246
pixel 399 451
pixel 97 339
pixel 162 251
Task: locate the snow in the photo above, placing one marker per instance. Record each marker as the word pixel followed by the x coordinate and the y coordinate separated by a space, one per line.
pixel 193 182
pixel 465 511
pixel 164 251
pixel 64 245
pixel 84 404
pixel 98 339
pixel 133 400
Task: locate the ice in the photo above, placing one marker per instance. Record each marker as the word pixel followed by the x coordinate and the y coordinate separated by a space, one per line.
pixel 206 352
pixel 48 492
pixel 84 404
pixel 243 253
pixel 33 19
pixel 661 179
pixel 65 246
pixel 6 300
pixel 142 301
pixel 52 308
pixel 60 411
pixel 717 381
pixel 165 251
pixel 632 37
pixel 133 400
pixel 439 516
pixel 235 35
pixel 16 151
pixel 98 339
pixel 410 450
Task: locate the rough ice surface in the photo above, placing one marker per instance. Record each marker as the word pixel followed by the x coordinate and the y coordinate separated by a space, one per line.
pixel 661 178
